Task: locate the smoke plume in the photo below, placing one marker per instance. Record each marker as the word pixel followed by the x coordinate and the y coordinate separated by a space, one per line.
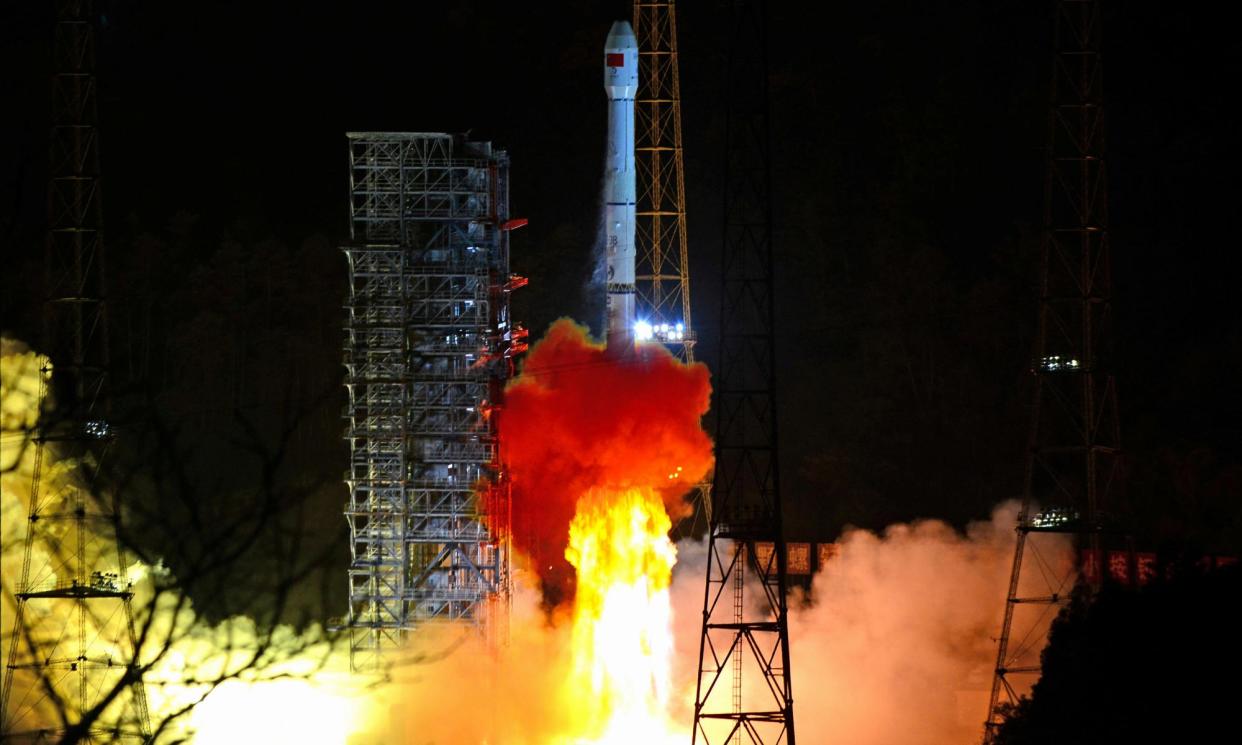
pixel 905 622
pixel 895 640
pixel 892 643
pixel 207 684
pixel 581 417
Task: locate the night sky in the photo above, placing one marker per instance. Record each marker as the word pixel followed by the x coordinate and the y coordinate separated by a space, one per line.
pixel 908 182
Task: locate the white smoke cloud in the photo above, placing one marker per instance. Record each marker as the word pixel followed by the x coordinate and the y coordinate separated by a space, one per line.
pixel 895 642
pixel 293 682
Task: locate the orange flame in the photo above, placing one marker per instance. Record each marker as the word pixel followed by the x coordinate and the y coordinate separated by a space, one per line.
pixel 622 619
pixel 581 417
pixel 602 446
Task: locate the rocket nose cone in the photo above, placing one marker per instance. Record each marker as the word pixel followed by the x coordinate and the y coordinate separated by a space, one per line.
pixel 621 36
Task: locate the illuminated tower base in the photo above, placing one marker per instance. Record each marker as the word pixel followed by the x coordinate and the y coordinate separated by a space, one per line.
pixel 428 347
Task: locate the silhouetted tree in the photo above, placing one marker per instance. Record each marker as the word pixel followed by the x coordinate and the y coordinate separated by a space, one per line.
pixel 1139 666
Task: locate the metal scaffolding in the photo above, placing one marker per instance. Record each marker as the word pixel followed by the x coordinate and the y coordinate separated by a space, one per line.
pixel 428 347
pixel 746 638
pixel 1072 457
pixel 72 673
pixel 662 270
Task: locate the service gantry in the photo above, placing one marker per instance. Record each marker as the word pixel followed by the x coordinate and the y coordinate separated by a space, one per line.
pixel 429 345
pixel 72 672
pixel 745 637
pixel 662 269
pixel 1071 474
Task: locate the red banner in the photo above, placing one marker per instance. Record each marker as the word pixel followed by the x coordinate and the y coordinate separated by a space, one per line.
pixel 1090 562
pixel 1145 567
pixel 798 558
pixel 827 552
pixel 763 555
pixel 1119 566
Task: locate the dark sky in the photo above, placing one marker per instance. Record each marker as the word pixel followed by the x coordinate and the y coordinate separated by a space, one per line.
pixel 908 188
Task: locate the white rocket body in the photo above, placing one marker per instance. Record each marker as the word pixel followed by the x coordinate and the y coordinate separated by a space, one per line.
pixel 621 85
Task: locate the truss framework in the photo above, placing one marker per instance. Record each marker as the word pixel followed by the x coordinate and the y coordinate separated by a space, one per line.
pixel 1071 474
pixel 662 270
pixel 429 344
pixel 662 278
pixel 743 693
pixel 71 673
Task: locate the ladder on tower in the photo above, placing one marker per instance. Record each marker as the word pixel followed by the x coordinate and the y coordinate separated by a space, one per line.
pixel 746 638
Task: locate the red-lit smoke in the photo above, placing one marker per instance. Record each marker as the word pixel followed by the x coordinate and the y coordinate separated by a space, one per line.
pixel 584 417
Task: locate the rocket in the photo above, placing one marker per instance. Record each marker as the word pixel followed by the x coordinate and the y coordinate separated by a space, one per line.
pixel 621 85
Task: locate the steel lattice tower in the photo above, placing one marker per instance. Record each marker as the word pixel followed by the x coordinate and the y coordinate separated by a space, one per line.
pixel 72 645
pixel 1071 467
pixel 662 277
pixel 429 345
pixel 743 693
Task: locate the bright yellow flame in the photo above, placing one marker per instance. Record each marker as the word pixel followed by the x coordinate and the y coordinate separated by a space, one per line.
pixel 622 620
pixel 618 688
pixel 303 698
pixel 289 710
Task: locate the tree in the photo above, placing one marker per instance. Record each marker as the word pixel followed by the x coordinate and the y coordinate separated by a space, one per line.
pixel 225 460
pixel 1130 666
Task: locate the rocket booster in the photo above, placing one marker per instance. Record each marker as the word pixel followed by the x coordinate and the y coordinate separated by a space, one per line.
pixel 621 85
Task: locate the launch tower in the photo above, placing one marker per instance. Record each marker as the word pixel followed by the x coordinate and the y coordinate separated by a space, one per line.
pixel 743 695
pixel 72 673
pixel 428 347
pixel 1071 476
pixel 662 278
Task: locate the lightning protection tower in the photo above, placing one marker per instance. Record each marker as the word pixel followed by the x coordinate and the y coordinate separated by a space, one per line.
pixel 71 673
pixel 743 692
pixel 662 278
pixel 1071 465
pixel 428 347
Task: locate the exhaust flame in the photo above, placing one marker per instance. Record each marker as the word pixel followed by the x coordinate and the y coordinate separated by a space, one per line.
pixel 602 446
pixel 622 620
pixel 299 690
pixel 600 451
pixel 283 710
pixel 583 418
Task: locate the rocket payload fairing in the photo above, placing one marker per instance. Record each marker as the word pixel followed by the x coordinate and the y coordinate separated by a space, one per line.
pixel 621 85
